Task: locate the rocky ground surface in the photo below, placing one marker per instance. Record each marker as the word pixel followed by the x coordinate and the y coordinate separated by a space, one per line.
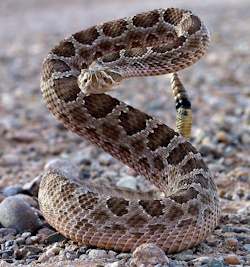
pixel 32 140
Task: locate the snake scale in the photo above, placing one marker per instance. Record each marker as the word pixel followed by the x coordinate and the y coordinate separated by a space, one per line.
pixel 75 76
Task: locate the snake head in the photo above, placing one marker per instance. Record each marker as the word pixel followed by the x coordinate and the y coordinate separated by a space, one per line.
pixel 98 81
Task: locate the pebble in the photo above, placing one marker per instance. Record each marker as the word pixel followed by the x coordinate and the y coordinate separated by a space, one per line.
pixel 7 231
pixel 9 160
pixel 112 254
pixel 63 166
pixel 202 260
pixel 42 235
pixel 20 240
pixel 97 254
pixel 241 230
pixel 29 200
pixel 24 136
pixel 206 249
pixel 16 213
pixel 13 190
pixel 26 234
pixel 149 255
pixel 231 242
pixel 210 149
pixel 105 159
pixel 185 255
pixel 34 249
pixel 215 263
pixel 83 257
pixel 223 137
pixel 54 237
pixel 128 182
pixel 247 247
pixel 173 264
pixel 116 264
pixel 8 237
pixel 232 259
pixel 9 243
pixel 242 172
pixel 53 251
pixel 2 197
pixel 124 256
pixel 32 187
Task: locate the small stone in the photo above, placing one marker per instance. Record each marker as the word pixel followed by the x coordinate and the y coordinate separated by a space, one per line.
pixel 5 255
pixel 26 234
pixel 43 233
pixel 209 149
pixel 241 230
pixel 97 254
pixel 105 159
pixel 33 186
pixel 231 242
pixel 44 257
pixel 116 264
pixel 128 182
pixel 83 257
pixel 69 256
pixel 12 190
pixel 34 249
pixel 19 254
pixel 28 241
pixel 29 260
pixel 9 237
pixel 232 259
pixel 173 264
pixel 29 200
pixel 203 260
pixel 24 136
pixel 9 160
pixel 223 137
pixel 215 263
pixel 247 247
pixel 81 251
pixel 7 231
pixel 16 213
pixel 53 251
pixel 2 197
pixel 206 249
pixel 55 237
pixel 9 243
pixel 112 253
pixel 243 211
pixel 63 166
pixel 35 239
pixel 20 240
pixel 149 255
pixel 124 256
pixel 185 255
pixel 241 172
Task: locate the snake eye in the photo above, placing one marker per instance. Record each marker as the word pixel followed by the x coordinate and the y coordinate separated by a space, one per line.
pixel 85 80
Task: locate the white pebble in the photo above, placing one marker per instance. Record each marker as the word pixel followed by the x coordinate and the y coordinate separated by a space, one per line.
pixel 128 182
pixel 97 254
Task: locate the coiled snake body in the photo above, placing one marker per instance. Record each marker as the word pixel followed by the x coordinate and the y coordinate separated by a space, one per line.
pixel 75 76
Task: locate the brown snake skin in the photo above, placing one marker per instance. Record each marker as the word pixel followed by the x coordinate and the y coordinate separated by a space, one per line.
pixel 75 76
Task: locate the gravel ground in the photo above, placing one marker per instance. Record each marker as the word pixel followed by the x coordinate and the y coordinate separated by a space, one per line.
pixel 32 140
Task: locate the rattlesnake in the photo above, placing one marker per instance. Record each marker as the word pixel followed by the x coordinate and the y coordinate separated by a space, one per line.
pixel 75 76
